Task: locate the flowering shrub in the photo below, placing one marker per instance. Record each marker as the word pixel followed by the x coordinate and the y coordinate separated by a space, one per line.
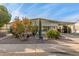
pixel 19 27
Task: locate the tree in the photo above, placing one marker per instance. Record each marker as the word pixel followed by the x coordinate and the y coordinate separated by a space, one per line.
pixel 29 26
pixel 21 28
pixel 17 27
pixel 5 16
pixel 25 21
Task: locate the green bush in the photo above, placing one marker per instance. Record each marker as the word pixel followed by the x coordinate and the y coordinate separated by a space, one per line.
pixel 69 30
pixel 12 32
pixel 52 34
pixel 19 29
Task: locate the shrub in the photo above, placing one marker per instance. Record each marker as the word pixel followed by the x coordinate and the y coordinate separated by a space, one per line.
pixel 69 30
pixel 34 31
pixel 18 30
pixel 52 34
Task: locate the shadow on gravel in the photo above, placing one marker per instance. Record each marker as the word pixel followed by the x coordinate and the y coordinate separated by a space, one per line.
pixel 33 40
pixel 60 54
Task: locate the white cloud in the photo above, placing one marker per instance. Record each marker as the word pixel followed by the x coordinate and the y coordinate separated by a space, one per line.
pixel 17 12
pixel 1 4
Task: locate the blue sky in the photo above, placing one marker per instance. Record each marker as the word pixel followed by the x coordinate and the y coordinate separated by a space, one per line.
pixel 53 11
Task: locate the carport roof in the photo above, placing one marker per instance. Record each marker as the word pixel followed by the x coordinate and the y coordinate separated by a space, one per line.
pixel 59 22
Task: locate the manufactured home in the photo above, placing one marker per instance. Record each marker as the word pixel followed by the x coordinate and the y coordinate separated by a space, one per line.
pixel 64 27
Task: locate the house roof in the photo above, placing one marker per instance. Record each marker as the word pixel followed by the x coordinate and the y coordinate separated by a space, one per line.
pixel 53 21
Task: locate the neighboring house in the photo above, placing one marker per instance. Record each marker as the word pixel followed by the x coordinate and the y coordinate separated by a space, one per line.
pixel 5 28
pixel 76 27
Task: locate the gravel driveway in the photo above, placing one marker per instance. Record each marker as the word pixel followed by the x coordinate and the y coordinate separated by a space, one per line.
pixel 63 47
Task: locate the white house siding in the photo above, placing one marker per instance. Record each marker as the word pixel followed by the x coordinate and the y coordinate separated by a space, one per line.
pixel 72 28
pixel 45 23
pixel 76 25
pixel 5 28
